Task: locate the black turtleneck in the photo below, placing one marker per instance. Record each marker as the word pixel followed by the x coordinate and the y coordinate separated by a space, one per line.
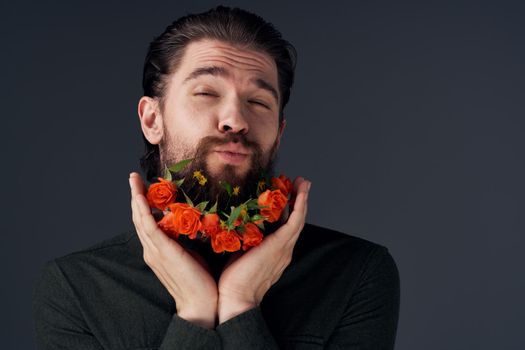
pixel 339 292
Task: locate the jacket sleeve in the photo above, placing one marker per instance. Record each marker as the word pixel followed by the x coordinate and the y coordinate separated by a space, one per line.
pixel 370 319
pixel 59 323
pixel 182 334
pixel 247 331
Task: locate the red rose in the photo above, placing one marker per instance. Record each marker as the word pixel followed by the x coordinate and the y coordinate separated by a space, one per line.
pixel 210 224
pixel 251 237
pixel 162 193
pixel 167 224
pixel 282 183
pixel 275 201
pixel 183 219
pixel 226 241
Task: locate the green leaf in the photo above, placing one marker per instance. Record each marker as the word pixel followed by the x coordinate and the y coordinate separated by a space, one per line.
pixel 202 205
pixel 256 217
pixel 234 215
pixel 227 187
pixel 179 182
pixel 252 204
pixel 180 165
pixel 188 200
pixel 213 209
pixel 261 225
pixel 167 173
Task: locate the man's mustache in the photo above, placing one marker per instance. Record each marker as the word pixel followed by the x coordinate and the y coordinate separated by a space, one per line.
pixel 208 142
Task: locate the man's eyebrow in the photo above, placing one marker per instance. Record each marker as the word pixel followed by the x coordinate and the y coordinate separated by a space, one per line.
pixel 223 72
pixel 211 70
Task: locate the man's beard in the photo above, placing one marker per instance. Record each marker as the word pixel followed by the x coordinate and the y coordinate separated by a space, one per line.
pixel 213 190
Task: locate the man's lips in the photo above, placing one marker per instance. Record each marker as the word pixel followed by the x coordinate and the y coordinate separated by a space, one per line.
pixel 232 158
pixel 232 153
pixel 235 149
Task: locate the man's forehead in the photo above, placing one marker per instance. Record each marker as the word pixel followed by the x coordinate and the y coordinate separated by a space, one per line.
pixel 209 53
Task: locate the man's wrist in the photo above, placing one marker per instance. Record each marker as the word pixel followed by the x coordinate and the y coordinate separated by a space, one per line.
pixel 206 319
pixel 229 308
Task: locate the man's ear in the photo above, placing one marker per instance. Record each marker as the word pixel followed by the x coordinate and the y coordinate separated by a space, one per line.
pixel 150 119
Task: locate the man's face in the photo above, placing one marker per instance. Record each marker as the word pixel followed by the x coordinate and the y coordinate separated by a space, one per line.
pixel 222 106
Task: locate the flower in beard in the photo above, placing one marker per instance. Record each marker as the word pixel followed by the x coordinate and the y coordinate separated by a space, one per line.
pixel 210 224
pixel 226 240
pixel 242 201
pixel 274 203
pixel 251 236
pixel 243 185
pixel 200 178
pixel 161 193
pixel 183 219
pixel 282 183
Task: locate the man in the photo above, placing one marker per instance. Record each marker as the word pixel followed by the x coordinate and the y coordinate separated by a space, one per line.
pixel 215 88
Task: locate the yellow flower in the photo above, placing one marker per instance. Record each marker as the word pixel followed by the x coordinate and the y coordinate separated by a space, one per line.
pixel 236 190
pixel 201 178
pixel 261 184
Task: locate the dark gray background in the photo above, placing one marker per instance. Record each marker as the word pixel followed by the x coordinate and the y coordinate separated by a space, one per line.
pixel 406 116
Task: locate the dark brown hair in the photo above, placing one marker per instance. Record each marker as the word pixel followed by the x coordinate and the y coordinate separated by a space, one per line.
pixel 231 25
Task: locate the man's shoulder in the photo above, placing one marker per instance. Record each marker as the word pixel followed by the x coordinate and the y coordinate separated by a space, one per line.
pixel 317 236
pixel 330 247
pixel 83 269
pixel 329 266
pixel 113 252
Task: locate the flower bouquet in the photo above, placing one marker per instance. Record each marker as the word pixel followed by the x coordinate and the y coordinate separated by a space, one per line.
pixel 226 228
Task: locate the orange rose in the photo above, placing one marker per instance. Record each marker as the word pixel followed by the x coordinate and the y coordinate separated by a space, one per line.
pixel 210 224
pixel 251 237
pixel 167 224
pixel 237 222
pixel 226 241
pixel 282 183
pixel 162 193
pixel 275 201
pixel 185 219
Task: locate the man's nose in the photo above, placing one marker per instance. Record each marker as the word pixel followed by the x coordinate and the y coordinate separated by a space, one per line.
pixel 233 118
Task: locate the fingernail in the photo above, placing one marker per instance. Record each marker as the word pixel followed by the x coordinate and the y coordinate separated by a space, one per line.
pixel 309 185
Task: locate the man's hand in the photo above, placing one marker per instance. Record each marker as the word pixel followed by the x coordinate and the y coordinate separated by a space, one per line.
pixel 247 277
pixel 184 273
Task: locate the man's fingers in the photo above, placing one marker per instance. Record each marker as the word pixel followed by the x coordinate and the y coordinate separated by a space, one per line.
pixel 137 184
pixel 147 245
pixel 298 216
pixel 148 223
pixel 296 184
pixel 301 188
pixel 146 226
pixel 290 231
